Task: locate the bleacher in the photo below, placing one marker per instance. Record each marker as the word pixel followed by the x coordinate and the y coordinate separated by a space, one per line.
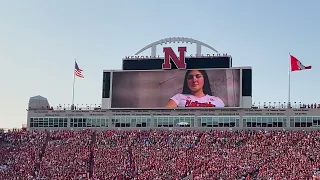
pixel 159 154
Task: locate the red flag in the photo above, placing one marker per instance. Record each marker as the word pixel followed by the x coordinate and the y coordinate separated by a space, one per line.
pixel 296 64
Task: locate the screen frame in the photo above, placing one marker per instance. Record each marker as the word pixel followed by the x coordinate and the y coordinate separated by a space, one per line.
pixel 120 70
pixel 162 58
pixel 163 108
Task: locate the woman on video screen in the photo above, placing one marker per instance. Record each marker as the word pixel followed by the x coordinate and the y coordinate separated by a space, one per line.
pixel 196 92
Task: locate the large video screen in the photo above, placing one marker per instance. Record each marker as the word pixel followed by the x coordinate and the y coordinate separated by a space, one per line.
pixel 209 88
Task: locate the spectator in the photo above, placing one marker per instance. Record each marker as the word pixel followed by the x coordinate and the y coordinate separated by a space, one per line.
pixel 159 154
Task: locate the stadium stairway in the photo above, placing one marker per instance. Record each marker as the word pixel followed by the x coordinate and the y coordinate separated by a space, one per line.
pixel 92 148
pixel 41 153
pixel 130 157
pixel 188 175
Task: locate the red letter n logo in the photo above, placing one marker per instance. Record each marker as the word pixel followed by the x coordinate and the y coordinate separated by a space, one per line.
pixel 169 54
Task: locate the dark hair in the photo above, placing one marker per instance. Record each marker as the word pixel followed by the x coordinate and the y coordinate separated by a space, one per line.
pixel 206 85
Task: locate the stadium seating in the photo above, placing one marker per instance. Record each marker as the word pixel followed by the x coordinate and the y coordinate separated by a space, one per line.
pixel 159 154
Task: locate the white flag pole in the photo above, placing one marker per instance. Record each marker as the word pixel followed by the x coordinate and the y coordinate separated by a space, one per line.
pixel 289 82
pixel 74 80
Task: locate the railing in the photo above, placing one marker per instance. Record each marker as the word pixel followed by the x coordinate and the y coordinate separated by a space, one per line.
pixel 264 105
pixel 285 105
pixel 4 130
pixel 70 107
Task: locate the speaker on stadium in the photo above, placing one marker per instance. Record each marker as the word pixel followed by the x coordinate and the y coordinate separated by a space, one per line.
pixel 247 82
pixel 106 85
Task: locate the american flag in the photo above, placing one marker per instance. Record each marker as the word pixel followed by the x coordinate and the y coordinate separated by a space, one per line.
pixel 78 71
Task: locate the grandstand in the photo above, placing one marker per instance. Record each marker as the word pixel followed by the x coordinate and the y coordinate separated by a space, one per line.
pixel 304 116
pixel 135 97
pixel 136 134
pixel 159 154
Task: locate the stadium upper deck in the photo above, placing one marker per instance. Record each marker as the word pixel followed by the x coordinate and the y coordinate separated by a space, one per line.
pixel 176 91
pixel 299 116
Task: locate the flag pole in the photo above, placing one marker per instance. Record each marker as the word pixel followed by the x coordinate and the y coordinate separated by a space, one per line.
pixel 74 80
pixel 289 83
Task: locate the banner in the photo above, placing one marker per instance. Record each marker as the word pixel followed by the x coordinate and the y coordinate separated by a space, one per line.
pixel 81 176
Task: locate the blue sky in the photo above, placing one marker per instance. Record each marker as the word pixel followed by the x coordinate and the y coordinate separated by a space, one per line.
pixel 40 39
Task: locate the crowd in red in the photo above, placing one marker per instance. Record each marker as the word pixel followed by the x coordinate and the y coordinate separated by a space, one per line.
pixel 19 154
pixel 159 154
pixel 66 153
pixel 43 155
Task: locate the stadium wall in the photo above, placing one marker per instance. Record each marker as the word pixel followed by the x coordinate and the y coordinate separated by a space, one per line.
pixel 224 118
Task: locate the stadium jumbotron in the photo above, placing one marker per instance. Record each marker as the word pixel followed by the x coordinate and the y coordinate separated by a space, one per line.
pixel 175 90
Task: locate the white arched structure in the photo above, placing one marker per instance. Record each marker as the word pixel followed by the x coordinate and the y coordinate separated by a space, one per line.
pixel 175 40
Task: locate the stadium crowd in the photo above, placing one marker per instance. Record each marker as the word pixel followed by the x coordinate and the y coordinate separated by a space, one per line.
pixel 159 154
